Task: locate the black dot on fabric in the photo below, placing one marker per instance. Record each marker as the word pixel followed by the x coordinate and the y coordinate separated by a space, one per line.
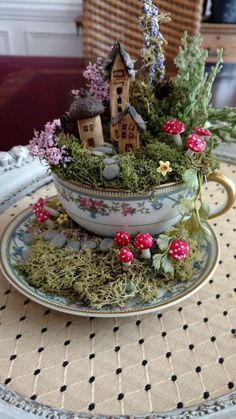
pixel 18 336
pixel 67 342
pixel 180 309
pixel 33 397
pixel 211 281
pixel 225 313
pixel 159 316
pixel 144 362
pixel 227 245
pixel 217 296
pixel 65 363
pixel 41 349
pixel 92 335
pixel 199 303
pixel 120 396
pixel 117 348
pixel 116 329
pixel 92 379
pixel 173 378
pixel 227 275
pixel 7 381
pixel 206 395
pixel 43 330
pixel 205 319
pixel 26 302
pixel 91 356
pixel 119 371
pixel 2 308
pixel 141 341
pixel 233 331
pixel 230 385
pixel 185 326
pixel 46 312
pixel 7 292
pixel 91 406
pixel 168 354
pixel 191 347
pixel 138 322
pixel 180 405
pixel 234 289
pixel 63 388
pixel 198 369
pixel 22 318
pixel 220 262
pixel 213 338
pixel 163 334
pixel 147 387
pixel 68 324
pixel 221 360
pixel 13 357
pixel 36 372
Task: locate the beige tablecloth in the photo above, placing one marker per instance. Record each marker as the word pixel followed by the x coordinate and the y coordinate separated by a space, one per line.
pixel 157 362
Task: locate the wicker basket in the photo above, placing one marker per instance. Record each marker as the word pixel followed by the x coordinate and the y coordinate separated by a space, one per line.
pixel 107 20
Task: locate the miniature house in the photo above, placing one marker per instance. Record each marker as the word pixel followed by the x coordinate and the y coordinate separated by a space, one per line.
pixel 86 109
pixel 126 130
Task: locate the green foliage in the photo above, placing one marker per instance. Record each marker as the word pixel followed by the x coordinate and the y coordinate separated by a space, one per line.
pixel 190 178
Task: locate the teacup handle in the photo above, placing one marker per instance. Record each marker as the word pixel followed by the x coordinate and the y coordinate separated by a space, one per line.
pixel 229 186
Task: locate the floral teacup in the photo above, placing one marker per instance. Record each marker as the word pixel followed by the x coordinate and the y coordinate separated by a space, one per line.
pixel 105 212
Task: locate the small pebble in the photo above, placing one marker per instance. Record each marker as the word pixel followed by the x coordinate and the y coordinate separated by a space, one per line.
pixel 106 150
pixel 106 244
pixel 59 240
pixel 108 144
pixel 25 254
pixel 48 235
pixel 28 238
pixel 89 244
pixel 109 161
pixel 74 245
pixel 97 153
pixel 111 172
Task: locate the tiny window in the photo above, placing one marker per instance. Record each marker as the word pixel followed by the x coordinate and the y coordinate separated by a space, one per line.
pixel 91 127
pixel 118 73
pixel 128 147
pixel 85 128
pixel 123 134
pixel 119 109
pixel 131 127
pixel 119 100
pixel 131 135
pixel 90 142
pixel 119 90
pixel 124 126
pixel 116 133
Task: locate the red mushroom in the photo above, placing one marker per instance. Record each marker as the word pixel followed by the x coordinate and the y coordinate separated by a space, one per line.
pixel 40 205
pixel 125 256
pixel 122 238
pixel 143 242
pixel 195 144
pixel 179 249
pixel 203 132
pixel 174 127
pixel 42 216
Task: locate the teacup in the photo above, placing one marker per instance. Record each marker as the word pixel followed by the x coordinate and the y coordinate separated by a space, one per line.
pixel 104 212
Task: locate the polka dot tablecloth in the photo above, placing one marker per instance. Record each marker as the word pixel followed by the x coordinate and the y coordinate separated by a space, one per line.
pixel 128 366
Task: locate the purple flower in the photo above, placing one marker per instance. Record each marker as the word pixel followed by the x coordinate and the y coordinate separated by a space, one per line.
pixel 97 85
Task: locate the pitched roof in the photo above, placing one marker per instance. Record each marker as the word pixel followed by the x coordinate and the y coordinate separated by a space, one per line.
pixel 133 113
pixel 127 60
pixel 85 106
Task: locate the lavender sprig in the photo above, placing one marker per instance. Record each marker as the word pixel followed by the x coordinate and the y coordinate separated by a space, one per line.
pixel 97 85
pixel 153 51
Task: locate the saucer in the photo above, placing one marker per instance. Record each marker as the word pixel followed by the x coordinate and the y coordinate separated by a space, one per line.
pixel 13 247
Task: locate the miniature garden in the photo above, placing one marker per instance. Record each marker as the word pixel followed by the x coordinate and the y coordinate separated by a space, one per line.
pixel 132 130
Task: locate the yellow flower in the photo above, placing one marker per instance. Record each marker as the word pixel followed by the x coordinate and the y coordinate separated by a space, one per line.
pixel 164 167
pixel 63 218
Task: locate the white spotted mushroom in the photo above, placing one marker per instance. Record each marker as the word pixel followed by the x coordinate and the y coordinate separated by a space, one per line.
pixel 174 127
pixel 143 242
pixel 195 144
pixel 203 132
pixel 179 249
pixel 125 256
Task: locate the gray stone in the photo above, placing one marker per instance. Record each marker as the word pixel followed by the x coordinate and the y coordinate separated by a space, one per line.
pixel 106 150
pixel 108 144
pixel 111 172
pixel 74 245
pixel 89 244
pixel 59 240
pixel 109 161
pixel 25 254
pixel 98 153
pixel 48 235
pixel 106 244
pixel 28 238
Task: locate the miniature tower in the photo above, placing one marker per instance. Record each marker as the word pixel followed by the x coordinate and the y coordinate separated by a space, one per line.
pixel 86 109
